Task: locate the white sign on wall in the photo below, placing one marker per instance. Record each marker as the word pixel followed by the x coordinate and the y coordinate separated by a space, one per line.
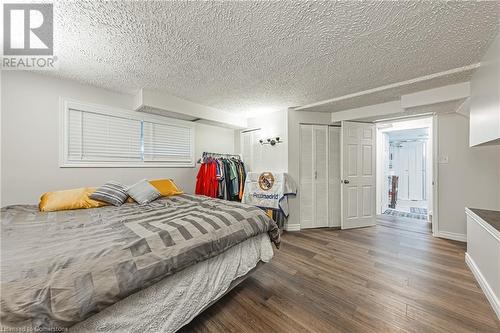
pixel 269 190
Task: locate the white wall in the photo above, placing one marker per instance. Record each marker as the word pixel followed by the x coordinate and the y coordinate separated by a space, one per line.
pixel 485 98
pixel 284 157
pixel 267 157
pixel 498 171
pixel 30 139
pixel 469 179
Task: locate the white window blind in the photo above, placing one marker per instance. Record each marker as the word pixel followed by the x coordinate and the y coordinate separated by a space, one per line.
pixel 167 143
pixel 128 139
pixel 97 137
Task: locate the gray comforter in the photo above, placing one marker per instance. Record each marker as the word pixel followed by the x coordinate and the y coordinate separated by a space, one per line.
pixel 60 268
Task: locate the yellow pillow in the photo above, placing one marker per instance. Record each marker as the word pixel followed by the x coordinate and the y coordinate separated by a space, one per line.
pixel 77 198
pixel 166 187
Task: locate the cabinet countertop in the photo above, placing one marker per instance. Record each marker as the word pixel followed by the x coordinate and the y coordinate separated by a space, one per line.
pixel 492 217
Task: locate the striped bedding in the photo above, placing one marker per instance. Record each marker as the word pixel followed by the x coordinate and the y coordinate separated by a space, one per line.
pixel 59 268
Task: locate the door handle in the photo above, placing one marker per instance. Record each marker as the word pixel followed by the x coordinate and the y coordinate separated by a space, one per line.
pixel 345 181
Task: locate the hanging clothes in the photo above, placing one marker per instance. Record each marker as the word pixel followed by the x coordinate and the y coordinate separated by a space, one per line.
pixel 200 180
pixel 221 176
pixel 233 172
pixel 206 180
pixel 242 174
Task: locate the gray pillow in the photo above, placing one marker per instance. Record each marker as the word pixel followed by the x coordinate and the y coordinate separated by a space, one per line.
pixel 112 192
pixel 143 192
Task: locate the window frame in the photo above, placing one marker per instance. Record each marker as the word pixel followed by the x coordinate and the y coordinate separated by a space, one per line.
pixel 64 162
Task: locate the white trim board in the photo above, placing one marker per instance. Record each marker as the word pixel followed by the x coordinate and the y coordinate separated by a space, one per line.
pixel 451 235
pixel 163 102
pixel 492 231
pixel 435 176
pixel 292 227
pixel 488 292
pixel 382 109
pixel 450 92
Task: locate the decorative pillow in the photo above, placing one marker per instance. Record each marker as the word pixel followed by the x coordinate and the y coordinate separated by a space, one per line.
pixel 166 187
pixel 112 193
pixel 77 198
pixel 143 192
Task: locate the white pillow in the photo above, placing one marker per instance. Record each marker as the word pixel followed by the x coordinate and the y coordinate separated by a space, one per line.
pixel 143 192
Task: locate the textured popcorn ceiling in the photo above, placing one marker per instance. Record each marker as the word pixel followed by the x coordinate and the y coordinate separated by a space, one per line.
pixel 254 56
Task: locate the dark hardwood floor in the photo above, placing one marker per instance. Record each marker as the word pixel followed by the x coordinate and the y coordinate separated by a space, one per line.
pixel 394 277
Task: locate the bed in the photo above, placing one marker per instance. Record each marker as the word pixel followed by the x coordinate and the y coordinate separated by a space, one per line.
pixel 135 268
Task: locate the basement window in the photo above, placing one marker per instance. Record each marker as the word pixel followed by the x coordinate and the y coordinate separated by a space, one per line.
pixel 97 136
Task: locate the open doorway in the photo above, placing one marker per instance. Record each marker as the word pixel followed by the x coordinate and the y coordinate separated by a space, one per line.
pixel 405 169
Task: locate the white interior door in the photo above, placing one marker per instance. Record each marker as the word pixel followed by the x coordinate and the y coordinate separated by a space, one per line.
pixel 403 158
pixel 250 149
pixel 416 178
pixel 358 175
pixel 410 167
pixel 385 149
pixel 246 149
pixel 256 151
pixel 313 190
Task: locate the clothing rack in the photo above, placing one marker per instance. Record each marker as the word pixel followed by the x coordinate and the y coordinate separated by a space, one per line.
pixel 221 176
pixel 217 155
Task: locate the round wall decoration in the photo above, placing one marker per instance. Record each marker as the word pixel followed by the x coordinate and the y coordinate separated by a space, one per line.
pixel 266 181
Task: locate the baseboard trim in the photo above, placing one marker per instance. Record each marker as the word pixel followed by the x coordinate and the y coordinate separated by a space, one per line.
pixel 488 292
pixel 293 227
pixel 451 235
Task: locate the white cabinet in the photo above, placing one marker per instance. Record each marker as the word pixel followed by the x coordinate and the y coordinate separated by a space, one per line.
pixel 483 253
pixel 319 176
pixel 485 99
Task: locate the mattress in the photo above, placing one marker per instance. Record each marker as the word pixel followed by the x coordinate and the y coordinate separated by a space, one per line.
pixel 60 268
pixel 173 302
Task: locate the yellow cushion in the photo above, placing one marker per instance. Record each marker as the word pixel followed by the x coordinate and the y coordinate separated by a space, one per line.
pixel 77 198
pixel 166 187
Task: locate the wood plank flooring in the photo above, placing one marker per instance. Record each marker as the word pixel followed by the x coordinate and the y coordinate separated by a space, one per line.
pixel 394 277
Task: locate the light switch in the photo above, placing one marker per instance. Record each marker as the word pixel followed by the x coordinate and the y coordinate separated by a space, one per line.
pixel 443 159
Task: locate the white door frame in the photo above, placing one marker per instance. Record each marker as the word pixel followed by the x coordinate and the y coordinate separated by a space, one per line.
pixel 435 175
pixel 432 180
pixel 334 177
